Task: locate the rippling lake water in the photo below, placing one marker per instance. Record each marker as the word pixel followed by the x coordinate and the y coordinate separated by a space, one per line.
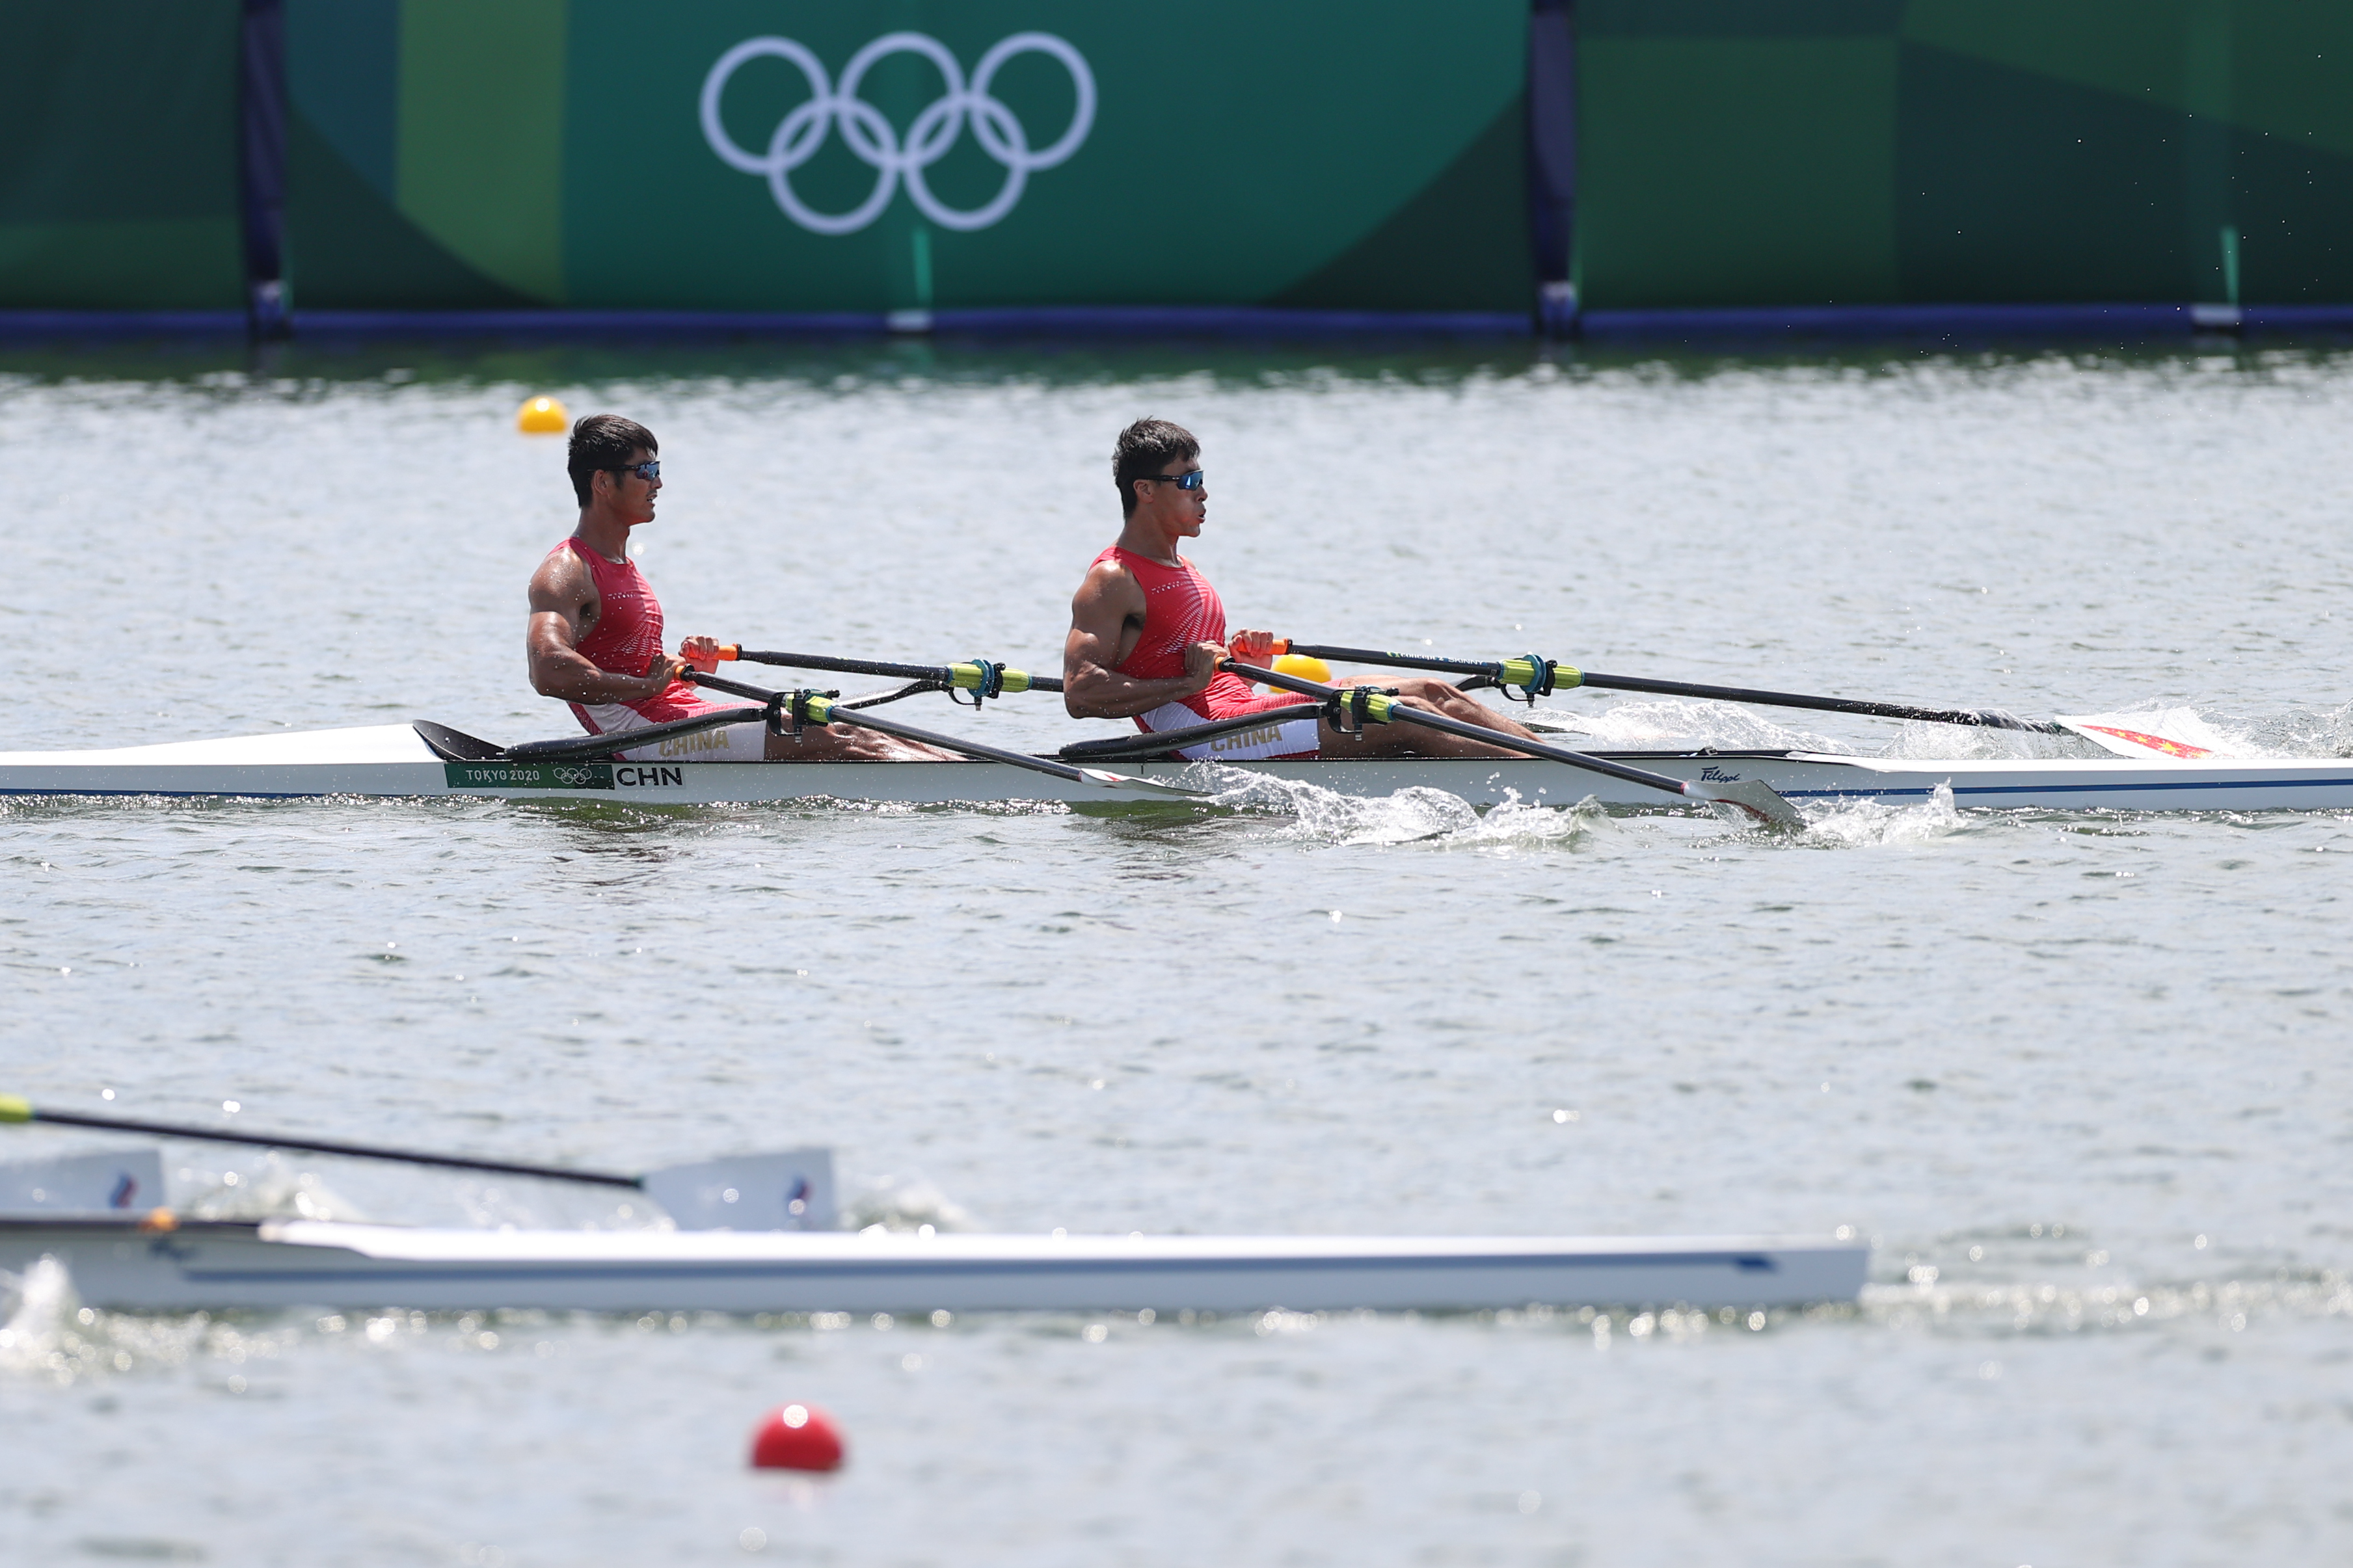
pixel 2078 1078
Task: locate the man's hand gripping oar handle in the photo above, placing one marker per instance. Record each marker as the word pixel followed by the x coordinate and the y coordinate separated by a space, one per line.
pixel 984 678
pixel 1751 795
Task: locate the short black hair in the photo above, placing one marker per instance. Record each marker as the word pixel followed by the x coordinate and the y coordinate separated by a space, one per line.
pixel 1144 449
pixel 604 441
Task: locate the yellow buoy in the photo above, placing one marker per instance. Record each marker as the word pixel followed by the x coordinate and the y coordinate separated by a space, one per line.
pixel 542 417
pixel 1302 666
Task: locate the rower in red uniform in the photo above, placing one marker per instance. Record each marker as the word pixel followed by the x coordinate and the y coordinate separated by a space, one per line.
pixel 596 634
pixel 1147 631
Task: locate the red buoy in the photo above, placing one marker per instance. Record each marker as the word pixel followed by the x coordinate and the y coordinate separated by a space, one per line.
pixel 797 1437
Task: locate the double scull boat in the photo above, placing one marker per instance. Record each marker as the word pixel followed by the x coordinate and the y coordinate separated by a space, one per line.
pixel 426 760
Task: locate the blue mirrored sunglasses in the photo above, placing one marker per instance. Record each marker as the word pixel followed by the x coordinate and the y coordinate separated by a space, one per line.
pixel 1192 481
pixel 648 470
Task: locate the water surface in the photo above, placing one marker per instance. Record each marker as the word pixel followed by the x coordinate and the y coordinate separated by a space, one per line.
pixel 2077 1076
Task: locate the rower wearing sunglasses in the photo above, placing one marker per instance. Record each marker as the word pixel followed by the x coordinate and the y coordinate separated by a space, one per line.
pixel 1148 632
pixel 596 636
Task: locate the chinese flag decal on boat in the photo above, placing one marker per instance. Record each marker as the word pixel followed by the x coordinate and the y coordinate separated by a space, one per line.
pixel 2179 733
pixel 2153 743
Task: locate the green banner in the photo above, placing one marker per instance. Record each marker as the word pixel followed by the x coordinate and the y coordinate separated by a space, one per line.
pixel 791 156
pixel 1857 151
pixel 119 190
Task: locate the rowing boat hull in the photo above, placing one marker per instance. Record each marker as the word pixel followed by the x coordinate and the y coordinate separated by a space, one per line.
pixel 392 760
pixel 304 1263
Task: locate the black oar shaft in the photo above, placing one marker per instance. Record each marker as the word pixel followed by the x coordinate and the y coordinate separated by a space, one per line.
pixel 1146 745
pixel 954 744
pixel 1494 670
pixel 1537 749
pixel 942 673
pixel 1395 661
pixel 836 714
pixel 733 688
pixel 330 1146
pixel 1472 732
pixel 1797 699
pixel 587 746
pixel 843 665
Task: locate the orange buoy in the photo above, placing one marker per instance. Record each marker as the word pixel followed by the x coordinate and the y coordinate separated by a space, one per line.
pixel 797 1437
pixel 542 417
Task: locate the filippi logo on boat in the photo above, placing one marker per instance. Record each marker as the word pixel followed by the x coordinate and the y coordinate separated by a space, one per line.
pixel 875 141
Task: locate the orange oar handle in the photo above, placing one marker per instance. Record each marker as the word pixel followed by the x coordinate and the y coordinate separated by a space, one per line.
pixel 727 650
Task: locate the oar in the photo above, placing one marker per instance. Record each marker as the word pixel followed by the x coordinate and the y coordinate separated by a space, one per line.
pixel 14 1107
pixel 746 1190
pixel 816 708
pixel 1153 744
pixel 1751 796
pixel 578 748
pixel 984 677
pixel 1535 677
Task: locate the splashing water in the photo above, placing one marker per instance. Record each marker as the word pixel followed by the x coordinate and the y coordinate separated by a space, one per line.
pixel 266 1188
pixel 1414 814
pixel 893 1204
pixel 1861 823
pixel 2324 733
pixel 1674 723
pixel 49 1334
pixel 35 1337
pixel 1963 743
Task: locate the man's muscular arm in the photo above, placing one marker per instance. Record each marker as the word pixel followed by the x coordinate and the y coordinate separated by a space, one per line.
pixel 1105 616
pixel 561 592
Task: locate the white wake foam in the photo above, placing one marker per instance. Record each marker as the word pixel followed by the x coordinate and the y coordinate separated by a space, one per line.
pixel 1862 823
pixel 901 1203
pixel 1416 815
pixel 265 1187
pixel 40 1319
pixel 2314 733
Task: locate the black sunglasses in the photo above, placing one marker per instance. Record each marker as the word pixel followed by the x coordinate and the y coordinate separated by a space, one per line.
pixel 1192 481
pixel 649 470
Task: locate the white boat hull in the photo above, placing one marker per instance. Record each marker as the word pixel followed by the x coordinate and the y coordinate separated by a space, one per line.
pixel 114 1263
pixel 393 760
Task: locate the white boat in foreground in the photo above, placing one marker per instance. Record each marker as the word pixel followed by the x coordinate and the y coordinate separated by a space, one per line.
pixel 400 760
pixel 128 1262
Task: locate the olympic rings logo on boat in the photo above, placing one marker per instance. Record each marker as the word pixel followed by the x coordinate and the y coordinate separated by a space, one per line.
pixel 877 142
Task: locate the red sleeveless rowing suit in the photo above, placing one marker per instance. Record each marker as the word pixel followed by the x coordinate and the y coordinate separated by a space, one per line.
pixel 624 640
pixel 1180 608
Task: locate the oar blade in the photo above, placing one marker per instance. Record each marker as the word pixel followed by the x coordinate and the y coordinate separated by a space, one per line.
pixel 114 1181
pixel 1110 780
pixel 791 1190
pixel 1755 799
